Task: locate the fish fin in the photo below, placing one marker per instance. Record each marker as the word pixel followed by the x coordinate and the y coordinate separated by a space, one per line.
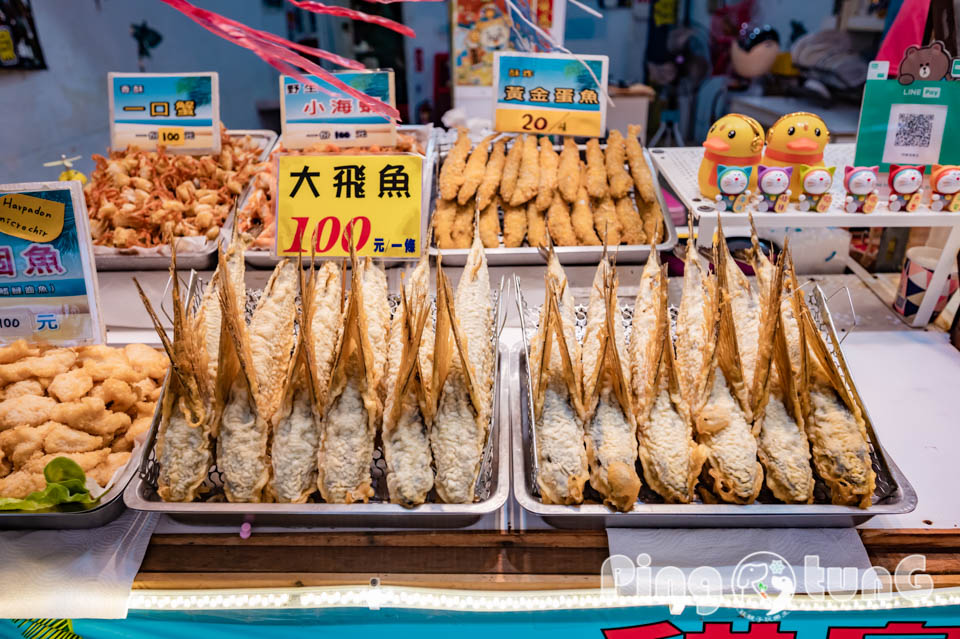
pixel 461 346
pixel 769 322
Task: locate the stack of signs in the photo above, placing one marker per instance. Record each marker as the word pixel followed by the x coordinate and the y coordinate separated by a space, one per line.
pixel 48 288
pixel 180 111
pixel 550 94
pixel 312 115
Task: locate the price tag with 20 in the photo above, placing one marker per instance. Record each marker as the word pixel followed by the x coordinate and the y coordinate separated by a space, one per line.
pixel 324 201
pixel 550 94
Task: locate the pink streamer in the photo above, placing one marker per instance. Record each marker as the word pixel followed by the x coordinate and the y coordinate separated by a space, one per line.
pixel 343 12
pixel 276 52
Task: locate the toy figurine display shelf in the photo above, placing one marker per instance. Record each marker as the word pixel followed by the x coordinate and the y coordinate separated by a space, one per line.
pixel 679 167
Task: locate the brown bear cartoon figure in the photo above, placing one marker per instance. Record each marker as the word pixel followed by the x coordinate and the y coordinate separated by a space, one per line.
pixel 929 63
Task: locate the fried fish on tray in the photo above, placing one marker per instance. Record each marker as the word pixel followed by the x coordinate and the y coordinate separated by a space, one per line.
pixel 463 377
pixel 610 429
pixel 452 172
pixel 671 459
pixel 836 427
pixel 354 403
pixel 492 172
pixel 183 447
pixel 406 440
pixel 558 409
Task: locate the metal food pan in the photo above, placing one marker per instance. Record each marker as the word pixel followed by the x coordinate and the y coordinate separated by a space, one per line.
pixel 109 507
pixel 202 260
pixel 425 133
pixel 528 255
pixel 493 488
pixel 893 495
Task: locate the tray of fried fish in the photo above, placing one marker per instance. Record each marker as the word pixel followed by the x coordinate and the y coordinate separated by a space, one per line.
pixel 526 193
pixel 734 409
pixel 335 404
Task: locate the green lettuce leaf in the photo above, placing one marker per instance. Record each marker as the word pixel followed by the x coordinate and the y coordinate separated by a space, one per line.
pixel 66 484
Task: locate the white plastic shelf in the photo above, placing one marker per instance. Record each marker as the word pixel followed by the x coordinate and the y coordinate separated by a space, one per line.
pixel 679 167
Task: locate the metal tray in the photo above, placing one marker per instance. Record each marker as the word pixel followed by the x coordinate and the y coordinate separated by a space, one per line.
pixel 528 255
pixel 202 260
pixel 110 506
pixel 492 487
pixel 894 494
pixel 425 133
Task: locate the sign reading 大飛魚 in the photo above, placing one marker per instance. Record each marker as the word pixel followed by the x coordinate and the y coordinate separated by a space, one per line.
pixel 310 115
pixel 48 286
pixel 550 94
pixel 325 201
pixel 179 111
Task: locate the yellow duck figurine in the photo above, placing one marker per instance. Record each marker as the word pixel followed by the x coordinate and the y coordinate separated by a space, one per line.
pixel 733 140
pixel 796 139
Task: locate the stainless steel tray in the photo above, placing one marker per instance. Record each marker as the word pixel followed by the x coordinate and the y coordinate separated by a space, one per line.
pixel 202 260
pixel 493 488
pixel 894 494
pixel 425 133
pixel 109 507
pixel 528 255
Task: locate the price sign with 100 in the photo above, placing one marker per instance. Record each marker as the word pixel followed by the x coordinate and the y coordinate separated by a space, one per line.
pixel 326 201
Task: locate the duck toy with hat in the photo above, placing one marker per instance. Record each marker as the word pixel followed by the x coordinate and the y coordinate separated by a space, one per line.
pixel 773 192
pixel 906 182
pixel 734 140
pixel 733 182
pixel 796 139
pixel 816 182
pixel 861 185
pixel 945 187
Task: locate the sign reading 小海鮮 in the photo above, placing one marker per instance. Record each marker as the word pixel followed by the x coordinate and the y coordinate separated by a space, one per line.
pixel 311 116
pixel 179 111
pixel 550 93
pixel 48 285
pixel 325 201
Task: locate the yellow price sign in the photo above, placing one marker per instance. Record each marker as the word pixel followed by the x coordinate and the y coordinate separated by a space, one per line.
pixel 549 122
pixel 171 136
pixel 31 218
pixel 326 201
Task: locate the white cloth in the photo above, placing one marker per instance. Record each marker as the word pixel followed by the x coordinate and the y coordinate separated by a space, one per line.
pixel 67 574
pixel 729 551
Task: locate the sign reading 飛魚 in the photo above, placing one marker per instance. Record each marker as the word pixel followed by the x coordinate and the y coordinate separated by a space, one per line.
pixel 324 201
pixel 48 286
pixel 179 111
pixel 550 94
pixel 310 116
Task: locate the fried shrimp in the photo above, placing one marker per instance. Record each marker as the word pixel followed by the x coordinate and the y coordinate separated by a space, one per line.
pixel 487 190
pixel 568 173
pixel 582 216
pixel 596 170
pixel 536 226
pixel 617 176
pixel 474 171
pixel 639 169
pixel 558 223
pixel 511 170
pixel 452 171
pixel 631 226
pixel 549 165
pixel 528 179
pixel 514 225
pixel 489 224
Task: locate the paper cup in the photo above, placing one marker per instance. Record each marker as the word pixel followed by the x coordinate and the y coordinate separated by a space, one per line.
pixel 915 277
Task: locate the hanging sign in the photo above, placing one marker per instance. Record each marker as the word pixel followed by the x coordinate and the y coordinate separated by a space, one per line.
pixel 179 111
pixel 550 93
pixel 48 285
pixel 309 115
pixel 324 201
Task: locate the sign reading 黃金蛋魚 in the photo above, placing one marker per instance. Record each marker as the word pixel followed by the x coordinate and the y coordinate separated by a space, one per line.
pixel 48 285
pixel 311 115
pixel 325 201
pixel 550 94
pixel 179 111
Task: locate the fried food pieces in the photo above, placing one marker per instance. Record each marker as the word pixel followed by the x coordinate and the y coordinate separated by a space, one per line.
pixel 452 172
pixel 574 202
pixel 141 198
pixel 68 415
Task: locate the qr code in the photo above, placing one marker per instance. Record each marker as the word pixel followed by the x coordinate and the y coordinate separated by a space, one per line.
pixel 914 129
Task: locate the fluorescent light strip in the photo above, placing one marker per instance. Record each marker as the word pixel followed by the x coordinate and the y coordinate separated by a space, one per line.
pixel 376 597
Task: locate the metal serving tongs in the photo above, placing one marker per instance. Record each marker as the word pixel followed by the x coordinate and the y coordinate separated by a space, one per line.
pixel 531 411
pixel 500 321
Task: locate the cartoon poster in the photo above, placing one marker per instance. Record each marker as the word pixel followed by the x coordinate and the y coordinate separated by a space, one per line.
pixel 483 27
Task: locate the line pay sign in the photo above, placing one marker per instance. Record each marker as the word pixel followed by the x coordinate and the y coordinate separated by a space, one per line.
pixel 326 201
